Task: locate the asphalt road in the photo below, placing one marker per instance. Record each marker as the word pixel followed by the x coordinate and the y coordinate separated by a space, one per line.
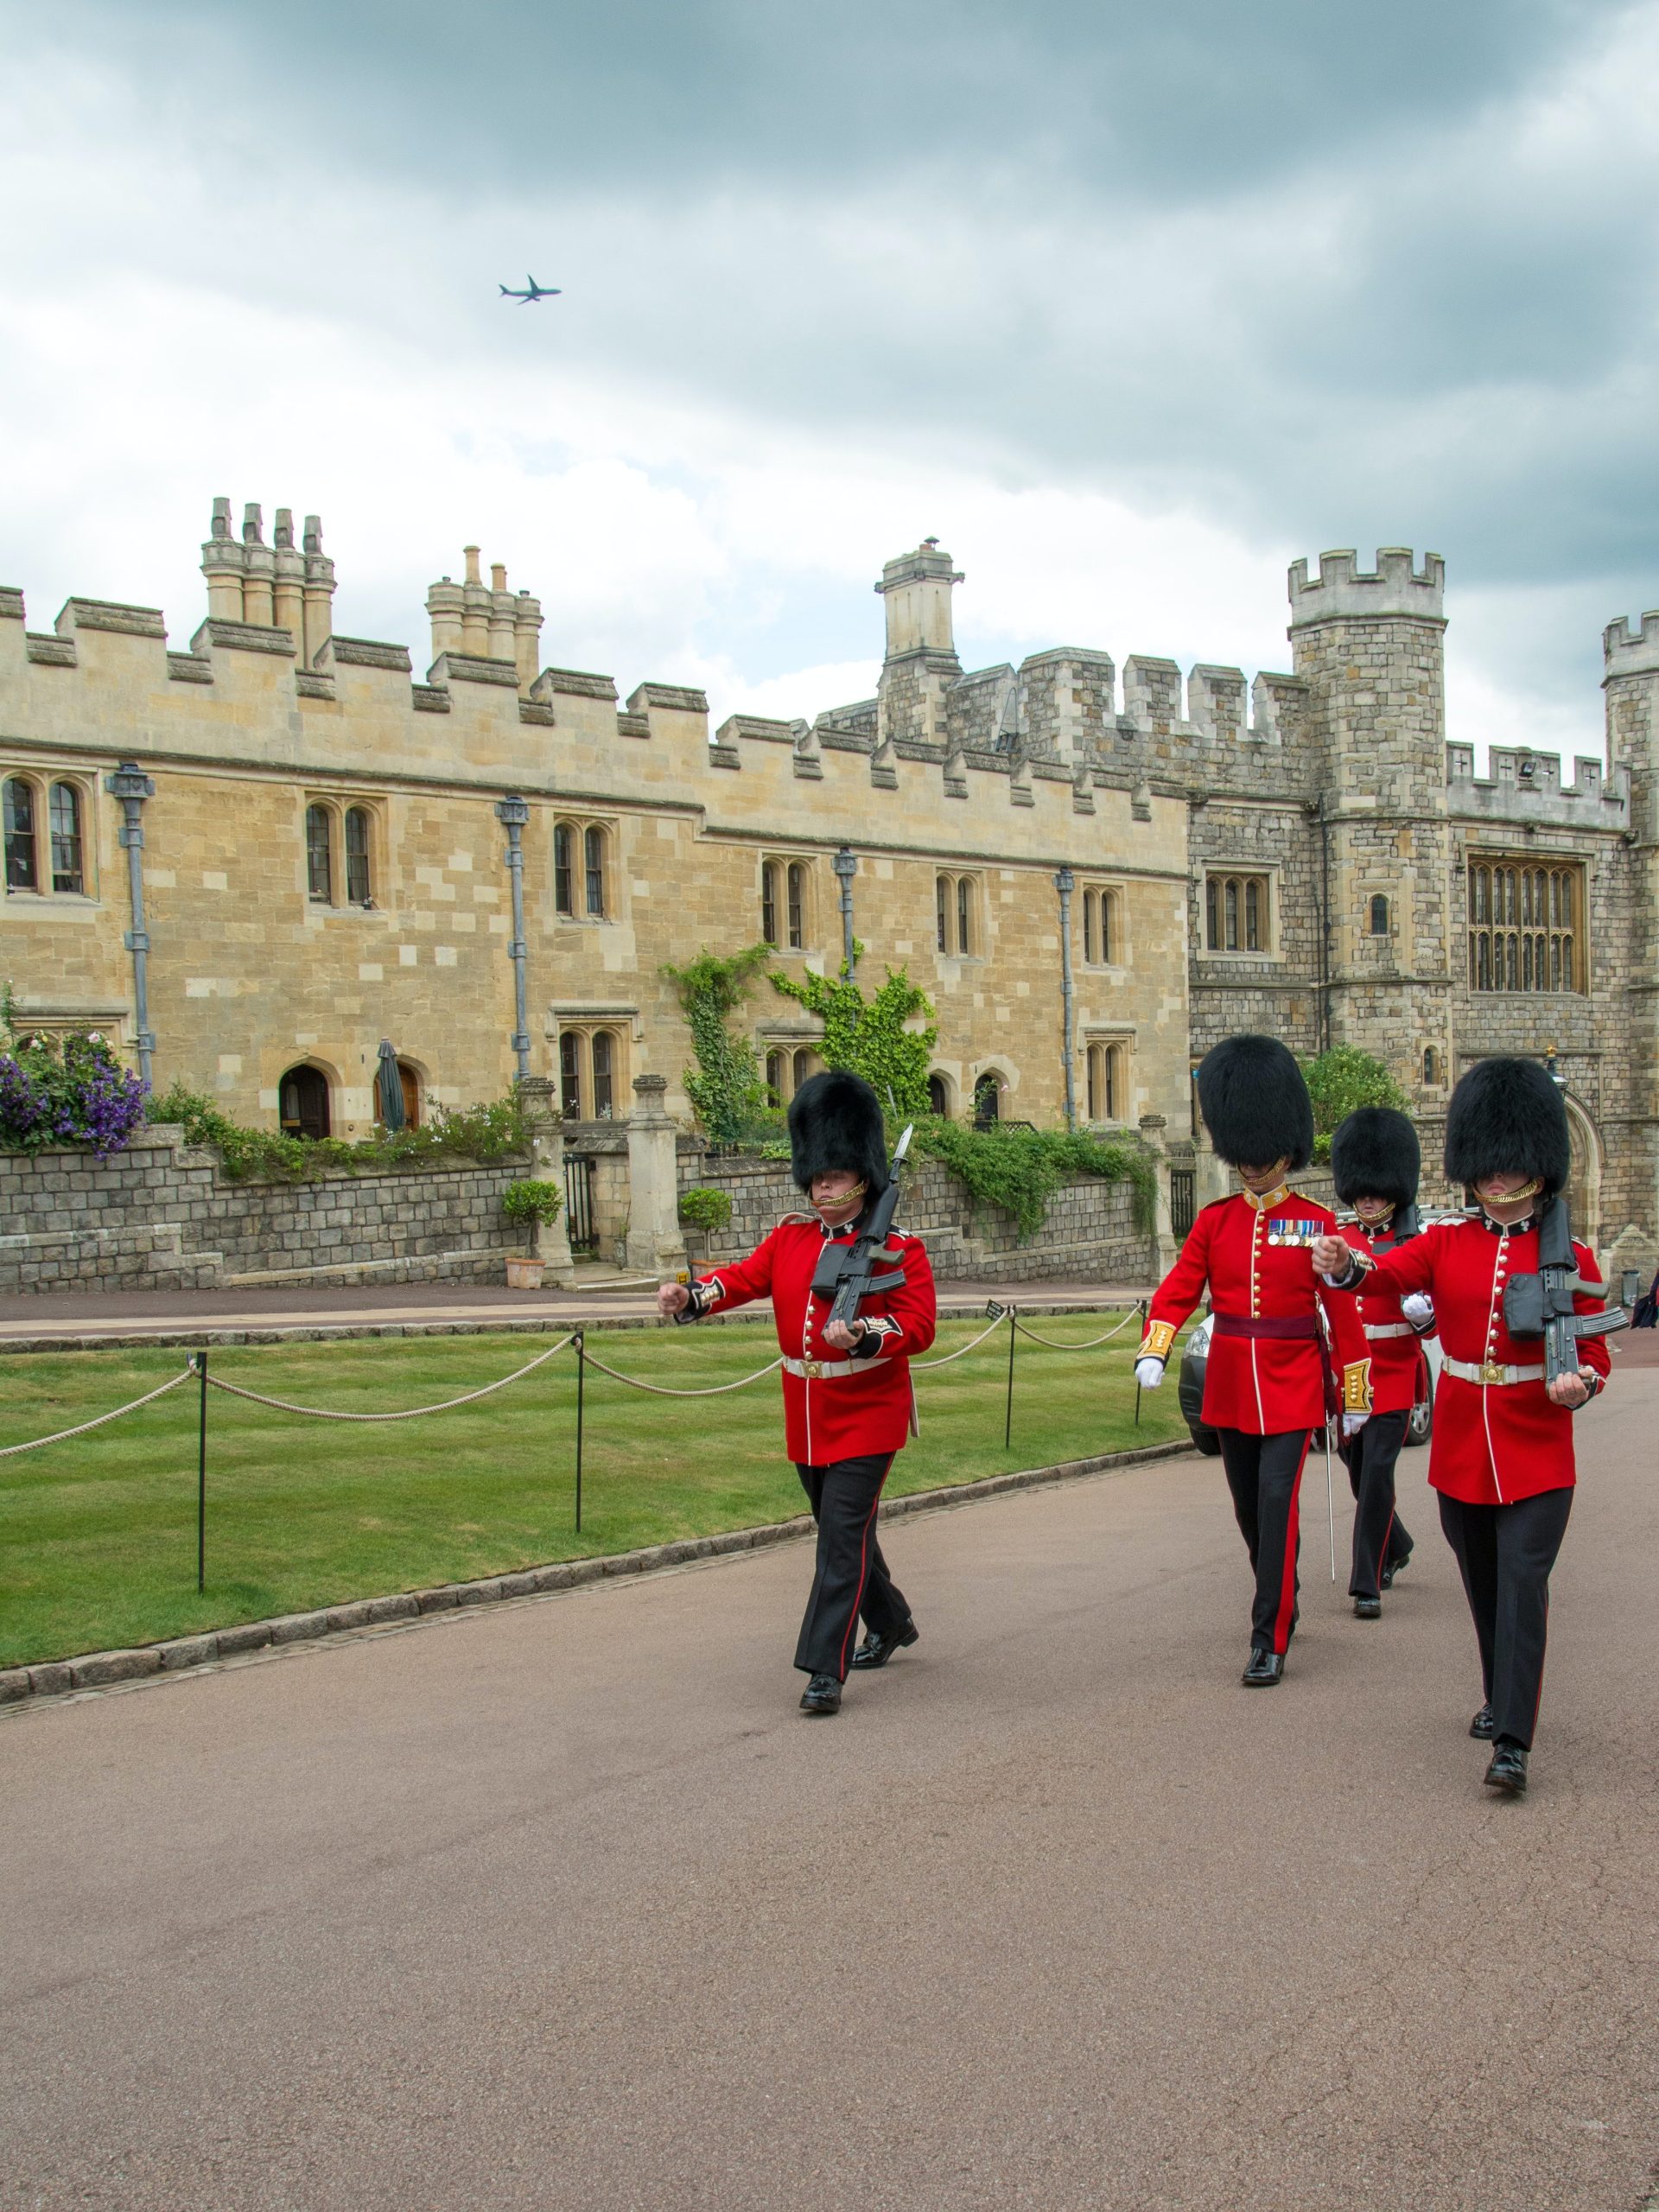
pixel 562 1903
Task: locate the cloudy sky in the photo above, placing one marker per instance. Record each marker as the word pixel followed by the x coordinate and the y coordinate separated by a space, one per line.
pixel 1128 305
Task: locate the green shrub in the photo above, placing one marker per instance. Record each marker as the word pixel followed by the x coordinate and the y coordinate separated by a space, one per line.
pixel 485 1133
pixel 529 1200
pixel 1020 1170
pixel 726 1090
pixel 869 1036
pixel 702 1208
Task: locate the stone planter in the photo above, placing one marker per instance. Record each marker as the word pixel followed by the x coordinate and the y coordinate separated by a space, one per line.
pixel 525 1274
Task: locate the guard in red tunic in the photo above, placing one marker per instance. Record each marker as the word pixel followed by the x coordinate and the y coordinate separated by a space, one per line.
pixel 1377 1163
pixel 849 1405
pixel 1269 1380
pixel 1502 1457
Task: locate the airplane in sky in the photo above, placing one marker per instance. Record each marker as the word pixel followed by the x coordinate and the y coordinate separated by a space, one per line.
pixel 536 292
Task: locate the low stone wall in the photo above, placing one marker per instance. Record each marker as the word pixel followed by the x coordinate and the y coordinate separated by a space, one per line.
pixel 1089 1234
pixel 162 1216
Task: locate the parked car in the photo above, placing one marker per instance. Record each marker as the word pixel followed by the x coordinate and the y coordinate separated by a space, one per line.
pixel 1190 1390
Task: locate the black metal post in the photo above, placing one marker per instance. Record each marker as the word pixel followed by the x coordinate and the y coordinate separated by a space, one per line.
pixel 581 1374
pixel 202 1476
pixel 1007 1424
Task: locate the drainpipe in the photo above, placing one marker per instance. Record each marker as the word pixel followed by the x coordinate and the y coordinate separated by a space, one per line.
pixel 512 812
pixel 1325 928
pixel 132 787
pixel 846 868
pixel 1065 883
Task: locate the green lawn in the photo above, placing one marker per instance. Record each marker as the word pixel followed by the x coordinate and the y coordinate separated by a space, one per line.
pixel 97 1534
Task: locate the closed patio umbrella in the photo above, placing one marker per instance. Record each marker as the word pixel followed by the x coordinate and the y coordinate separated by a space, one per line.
pixel 389 1088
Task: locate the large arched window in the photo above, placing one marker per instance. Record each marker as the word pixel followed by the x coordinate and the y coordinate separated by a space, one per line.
pixel 302 1103
pixel 64 819
pixel 604 1075
pixel 571 1075
pixel 22 861
pixel 1236 913
pixel 359 888
pixel 320 855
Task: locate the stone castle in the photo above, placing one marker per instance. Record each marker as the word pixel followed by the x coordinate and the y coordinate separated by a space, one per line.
pixel 253 861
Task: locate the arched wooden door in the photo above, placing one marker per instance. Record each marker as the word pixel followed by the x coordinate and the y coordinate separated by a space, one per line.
pixel 303 1103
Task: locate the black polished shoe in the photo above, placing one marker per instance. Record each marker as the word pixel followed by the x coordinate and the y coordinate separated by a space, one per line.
pixel 1266 1670
pixel 1395 1566
pixel 1368 1608
pixel 821 1694
pixel 1508 1771
pixel 1482 1728
pixel 876 1650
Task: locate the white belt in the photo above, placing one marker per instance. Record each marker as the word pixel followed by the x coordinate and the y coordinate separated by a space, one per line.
pixel 1376 1329
pixel 833 1370
pixel 1491 1373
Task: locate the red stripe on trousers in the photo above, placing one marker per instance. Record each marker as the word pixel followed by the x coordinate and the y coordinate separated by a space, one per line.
pixel 863 1569
pixel 1287 1586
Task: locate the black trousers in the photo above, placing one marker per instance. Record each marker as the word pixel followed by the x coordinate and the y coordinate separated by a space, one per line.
pixel 1504 1554
pixel 1264 1474
pixel 850 1576
pixel 1380 1537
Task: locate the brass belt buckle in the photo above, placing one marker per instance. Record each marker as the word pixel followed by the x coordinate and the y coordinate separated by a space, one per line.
pixel 812 1370
pixel 1491 1372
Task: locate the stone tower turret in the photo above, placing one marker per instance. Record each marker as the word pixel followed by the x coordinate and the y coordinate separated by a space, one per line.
pixel 921 661
pixel 1370 646
pixel 1631 688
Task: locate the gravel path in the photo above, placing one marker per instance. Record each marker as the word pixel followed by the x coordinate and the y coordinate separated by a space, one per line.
pixel 561 1904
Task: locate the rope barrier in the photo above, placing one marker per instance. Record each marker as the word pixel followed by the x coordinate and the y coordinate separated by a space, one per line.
pixel 63 1434
pixel 412 1413
pixel 1087 1344
pixel 662 1390
pixel 920 1366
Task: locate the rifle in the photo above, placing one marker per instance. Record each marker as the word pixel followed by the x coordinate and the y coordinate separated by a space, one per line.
pixel 847 1273
pixel 1542 1305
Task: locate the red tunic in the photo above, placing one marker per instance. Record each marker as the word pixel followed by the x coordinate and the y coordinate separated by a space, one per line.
pixel 845 1416
pixel 1258 1266
pixel 1493 1442
pixel 1399 1371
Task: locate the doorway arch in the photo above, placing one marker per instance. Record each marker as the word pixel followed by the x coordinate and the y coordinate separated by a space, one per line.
pixel 1584 1181
pixel 302 1103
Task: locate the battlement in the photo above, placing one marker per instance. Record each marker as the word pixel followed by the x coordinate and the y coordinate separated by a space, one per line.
pixel 1525 787
pixel 1344 592
pixel 1631 652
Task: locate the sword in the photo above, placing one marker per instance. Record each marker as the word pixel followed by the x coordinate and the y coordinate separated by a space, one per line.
pixel 1329 1500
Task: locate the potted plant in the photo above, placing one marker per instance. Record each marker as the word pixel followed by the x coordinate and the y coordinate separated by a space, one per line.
pixel 703 1211
pixel 535 1205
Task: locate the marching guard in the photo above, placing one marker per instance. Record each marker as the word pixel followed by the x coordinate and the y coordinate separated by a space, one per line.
pixel 1502 1458
pixel 1376 1162
pixel 1269 1382
pixel 849 1405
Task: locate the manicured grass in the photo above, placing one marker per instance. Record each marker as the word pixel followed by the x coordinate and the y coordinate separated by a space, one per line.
pixel 98 1545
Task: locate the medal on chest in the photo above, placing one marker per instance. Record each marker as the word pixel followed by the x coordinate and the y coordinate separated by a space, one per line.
pixel 1283 1234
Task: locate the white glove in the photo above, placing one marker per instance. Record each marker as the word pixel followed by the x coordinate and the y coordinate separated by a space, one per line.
pixel 1353 1423
pixel 1417 1306
pixel 1148 1373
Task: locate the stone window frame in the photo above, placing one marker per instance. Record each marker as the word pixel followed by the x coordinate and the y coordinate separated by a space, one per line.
pixel 787 1066
pixel 1107 945
pixel 779 876
pixel 959 913
pixel 1512 942
pixel 580 829
pixel 1106 1061
pixel 41 784
pixel 339 807
pixel 1245 873
pixel 599 1095
pixel 943 1102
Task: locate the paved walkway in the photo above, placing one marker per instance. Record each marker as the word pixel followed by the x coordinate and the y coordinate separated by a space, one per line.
pixel 562 1903
pixel 177 1316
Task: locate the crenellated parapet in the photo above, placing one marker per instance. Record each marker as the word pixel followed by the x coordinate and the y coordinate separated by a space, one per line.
pixel 1343 591
pixel 1524 787
pixel 1631 652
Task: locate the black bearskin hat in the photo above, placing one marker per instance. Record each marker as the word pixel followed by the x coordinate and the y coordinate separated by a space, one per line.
pixel 834 1121
pixel 1255 1103
pixel 1507 1117
pixel 1375 1154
